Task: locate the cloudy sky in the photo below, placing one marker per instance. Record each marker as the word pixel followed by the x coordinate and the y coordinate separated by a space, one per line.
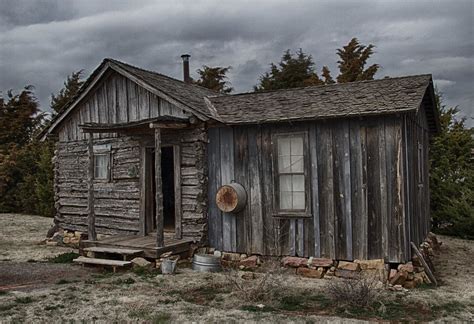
pixel 42 41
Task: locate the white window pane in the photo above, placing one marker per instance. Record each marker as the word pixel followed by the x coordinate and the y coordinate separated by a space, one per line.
pixel 285 183
pixel 298 200
pixel 284 146
pixel 296 146
pixel 285 200
pixel 297 163
pixel 298 182
pixel 101 163
pixel 284 164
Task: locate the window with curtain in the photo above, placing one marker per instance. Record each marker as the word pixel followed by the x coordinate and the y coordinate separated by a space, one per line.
pixel 101 166
pixel 291 175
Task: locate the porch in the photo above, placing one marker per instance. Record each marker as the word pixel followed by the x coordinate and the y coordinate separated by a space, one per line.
pixel 143 246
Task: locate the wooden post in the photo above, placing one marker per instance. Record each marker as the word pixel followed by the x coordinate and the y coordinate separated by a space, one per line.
pixel 92 235
pixel 159 190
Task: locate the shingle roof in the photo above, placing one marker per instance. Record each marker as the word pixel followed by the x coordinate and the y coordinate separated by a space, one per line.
pixel 187 93
pixel 388 95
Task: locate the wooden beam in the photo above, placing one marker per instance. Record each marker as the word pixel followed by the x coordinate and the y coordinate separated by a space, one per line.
pixel 92 235
pixel 177 190
pixel 168 125
pixel 159 190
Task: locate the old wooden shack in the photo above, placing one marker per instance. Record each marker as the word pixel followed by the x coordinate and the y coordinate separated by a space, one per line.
pixel 337 171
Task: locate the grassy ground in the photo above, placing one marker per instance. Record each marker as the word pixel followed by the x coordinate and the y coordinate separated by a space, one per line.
pixel 81 294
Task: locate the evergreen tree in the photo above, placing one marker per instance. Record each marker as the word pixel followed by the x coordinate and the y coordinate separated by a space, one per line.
pixel 71 87
pixel 452 175
pixel 326 74
pixel 294 70
pixel 353 58
pixel 214 78
pixel 19 118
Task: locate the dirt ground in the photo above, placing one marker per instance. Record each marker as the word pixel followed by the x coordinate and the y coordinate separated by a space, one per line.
pixel 33 289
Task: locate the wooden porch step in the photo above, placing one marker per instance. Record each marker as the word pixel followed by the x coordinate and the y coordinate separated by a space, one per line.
pixel 104 262
pixel 103 249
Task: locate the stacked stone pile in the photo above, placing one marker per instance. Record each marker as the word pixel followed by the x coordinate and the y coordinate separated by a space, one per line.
pixel 65 238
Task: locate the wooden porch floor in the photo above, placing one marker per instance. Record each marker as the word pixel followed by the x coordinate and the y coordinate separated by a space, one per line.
pixel 145 243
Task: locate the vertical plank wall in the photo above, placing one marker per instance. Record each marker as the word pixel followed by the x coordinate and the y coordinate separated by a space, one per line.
pixel 416 170
pixel 357 190
pixel 116 100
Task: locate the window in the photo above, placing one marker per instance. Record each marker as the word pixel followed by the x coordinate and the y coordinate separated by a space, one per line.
pixel 291 183
pixel 102 162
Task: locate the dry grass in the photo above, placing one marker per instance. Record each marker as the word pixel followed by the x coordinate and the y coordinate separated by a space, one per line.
pixel 256 287
pixel 358 292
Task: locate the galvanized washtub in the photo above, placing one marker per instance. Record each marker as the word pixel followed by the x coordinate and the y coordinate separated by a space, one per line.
pixel 206 263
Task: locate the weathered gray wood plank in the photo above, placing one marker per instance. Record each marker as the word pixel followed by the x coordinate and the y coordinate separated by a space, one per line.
pixel 255 190
pixel 326 189
pixel 227 175
pixel 214 164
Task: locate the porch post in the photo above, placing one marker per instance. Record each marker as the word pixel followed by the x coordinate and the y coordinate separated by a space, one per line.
pixel 159 190
pixel 92 235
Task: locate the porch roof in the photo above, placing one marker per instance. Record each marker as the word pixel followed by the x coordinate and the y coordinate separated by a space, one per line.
pixel 161 121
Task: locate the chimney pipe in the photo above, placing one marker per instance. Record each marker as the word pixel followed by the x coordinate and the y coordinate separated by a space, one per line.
pixel 186 76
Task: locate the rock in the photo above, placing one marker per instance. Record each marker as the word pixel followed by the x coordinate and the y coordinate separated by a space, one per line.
pixel 349 274
pixel 77 234
pixel 294 262
pixel 53 230
pixel 320 262
pixel 217 254
pixel 141 262
pixel 377 264
pixel 418 278
pixel 409 284
pixel 399 278
pixel 309 273
pixel 227 256
pixel 249 263
pixel 407 267
pixel 392 274
pixel 166 255
pixel 243 256
pixel 66 240
pixel 350 266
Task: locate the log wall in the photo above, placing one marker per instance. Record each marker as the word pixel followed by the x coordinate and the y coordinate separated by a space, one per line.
pixel 357 191
pixel 117 201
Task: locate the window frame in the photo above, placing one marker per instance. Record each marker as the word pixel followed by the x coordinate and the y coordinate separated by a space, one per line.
pixel 103 150
pixel 291 213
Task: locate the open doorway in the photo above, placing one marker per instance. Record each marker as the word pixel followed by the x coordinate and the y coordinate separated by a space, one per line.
pixel 168 185
pixel 167 178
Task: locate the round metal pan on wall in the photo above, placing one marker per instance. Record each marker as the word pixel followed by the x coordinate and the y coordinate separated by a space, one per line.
pixel 231 198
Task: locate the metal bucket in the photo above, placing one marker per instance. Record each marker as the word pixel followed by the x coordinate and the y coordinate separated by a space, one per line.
pixel 206 263
pixel 168 266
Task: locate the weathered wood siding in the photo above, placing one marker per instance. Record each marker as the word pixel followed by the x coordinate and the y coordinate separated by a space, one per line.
pixel 115 100
pixel 117 202
pixel 416 169
pixel 193 146
pixel 357 192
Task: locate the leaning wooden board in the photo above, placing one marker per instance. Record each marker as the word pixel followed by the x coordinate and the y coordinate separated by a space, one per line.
pixel 425 265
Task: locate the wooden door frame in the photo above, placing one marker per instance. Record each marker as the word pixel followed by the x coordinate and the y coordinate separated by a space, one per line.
pixel 177 187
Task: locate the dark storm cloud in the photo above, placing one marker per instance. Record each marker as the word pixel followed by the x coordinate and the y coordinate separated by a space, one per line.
pixel 44 41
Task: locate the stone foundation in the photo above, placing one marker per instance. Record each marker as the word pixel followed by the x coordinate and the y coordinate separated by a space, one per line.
pixel 395 276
